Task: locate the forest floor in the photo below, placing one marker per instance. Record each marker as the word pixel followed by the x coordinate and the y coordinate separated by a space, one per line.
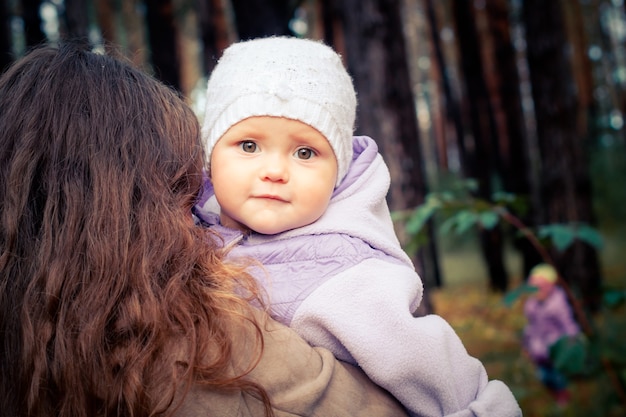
pixel 491 331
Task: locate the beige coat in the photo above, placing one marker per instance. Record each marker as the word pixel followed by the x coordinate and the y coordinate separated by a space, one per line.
pixel 300 380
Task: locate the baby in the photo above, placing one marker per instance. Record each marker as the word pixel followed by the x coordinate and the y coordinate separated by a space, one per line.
pixel 289 186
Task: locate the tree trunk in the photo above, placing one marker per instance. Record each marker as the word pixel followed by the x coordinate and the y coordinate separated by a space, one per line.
pixel 162 39
pixel 77 19
pixel 514 155
pixel 581 68
pixel 376 58
pixel 328 20
pixel 216 31
pixel 6 51
pixel 481 153
pixel 259 18
pixel 565 182
pixel 105 16
pixel 452 126
pixel 417 30
pixel 135 30
pixel 32 23
pixel 188 46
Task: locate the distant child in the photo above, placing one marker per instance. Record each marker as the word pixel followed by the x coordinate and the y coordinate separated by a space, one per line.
pixel 291 188
pixel 549 318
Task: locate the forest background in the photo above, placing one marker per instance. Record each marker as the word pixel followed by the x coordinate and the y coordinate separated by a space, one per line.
pixel 502 122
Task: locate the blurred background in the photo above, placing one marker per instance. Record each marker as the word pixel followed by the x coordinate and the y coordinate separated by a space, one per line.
pixel 502 123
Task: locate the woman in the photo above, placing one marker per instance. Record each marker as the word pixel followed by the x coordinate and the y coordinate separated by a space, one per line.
pixel 112 303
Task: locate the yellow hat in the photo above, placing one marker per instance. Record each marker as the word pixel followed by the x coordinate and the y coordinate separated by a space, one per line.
pixel 545 271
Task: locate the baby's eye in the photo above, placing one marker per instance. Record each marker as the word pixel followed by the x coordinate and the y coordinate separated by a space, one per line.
pixel 304 153
pixel 248 146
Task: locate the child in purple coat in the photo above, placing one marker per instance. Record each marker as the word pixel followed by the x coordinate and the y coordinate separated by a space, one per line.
pixel 549 318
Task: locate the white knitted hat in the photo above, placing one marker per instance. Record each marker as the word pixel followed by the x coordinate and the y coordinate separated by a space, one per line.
pixel 295 78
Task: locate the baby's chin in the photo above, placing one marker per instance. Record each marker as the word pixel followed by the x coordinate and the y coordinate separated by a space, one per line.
pixel 276 229
pixel 272 230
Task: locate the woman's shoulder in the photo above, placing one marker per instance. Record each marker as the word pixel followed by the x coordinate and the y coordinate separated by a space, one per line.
pixel 300 381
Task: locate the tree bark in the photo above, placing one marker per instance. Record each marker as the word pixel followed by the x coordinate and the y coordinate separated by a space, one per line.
pixel 216 31
pixel 565 182
pixel 77 19
pixel 162 39
pixel 377 60
pixel 450 104
pixel 105 16
pixel 135 29
pixel 188 46
pixel 515 169
pixel 32 23
pixel 480 160
pixel 259 18
pixel 581 67
pixel 6 42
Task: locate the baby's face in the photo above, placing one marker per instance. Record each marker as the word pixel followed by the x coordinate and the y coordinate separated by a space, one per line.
pixel 272 174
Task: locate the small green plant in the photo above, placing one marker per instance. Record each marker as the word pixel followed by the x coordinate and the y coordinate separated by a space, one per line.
pixel 597 354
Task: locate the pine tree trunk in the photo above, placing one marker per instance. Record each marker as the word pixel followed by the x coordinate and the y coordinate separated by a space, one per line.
pixel 6 51
pixel 216 32
pixel 376 58
pixel 77 19
pixel 565 181
pixel 450 104
pixel 188 46
pixel 162 39
pixel 135 29
pixel 105 16
pixel 32 23
pixel 481 155
pixel 258 18
pixel 581 65
pixel 513 147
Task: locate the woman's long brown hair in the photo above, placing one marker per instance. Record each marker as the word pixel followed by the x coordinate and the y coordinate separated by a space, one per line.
pixel 104 279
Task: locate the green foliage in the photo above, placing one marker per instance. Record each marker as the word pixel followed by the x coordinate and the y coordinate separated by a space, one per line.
pixel 515 294
pixel 460 212
pixel 614 297
pixel 572 356
pixel 421 215
pixel 564 235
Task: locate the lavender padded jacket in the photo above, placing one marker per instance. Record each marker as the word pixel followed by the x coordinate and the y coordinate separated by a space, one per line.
pixel 548 321
pixel 344 283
